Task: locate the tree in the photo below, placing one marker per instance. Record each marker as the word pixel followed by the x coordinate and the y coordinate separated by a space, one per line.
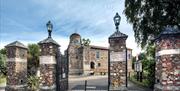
pixel 86 42
pixel 33 58
pixel 3 51
pixel 148 17
pixel 3 68
pixel 148 62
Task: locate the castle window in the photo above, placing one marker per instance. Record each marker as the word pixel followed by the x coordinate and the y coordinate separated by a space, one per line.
pixel 99 64
pixel 92 65
pixel 129 56
pixel 97 54
pixel 76 42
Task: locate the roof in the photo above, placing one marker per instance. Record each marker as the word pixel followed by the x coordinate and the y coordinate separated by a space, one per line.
pixel 99 47
pixel 48 40
pixel 129 49
pixel 118 34
pixel 169 30
pixel 105 48
pixel 16 44
pixel 75 34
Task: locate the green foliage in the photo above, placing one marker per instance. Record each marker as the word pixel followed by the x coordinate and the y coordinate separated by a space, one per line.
pixel 3 68
pixel 33 58
pixel 33 50
pixel 3 51
pixel 148 62
pixel 143 84
pixel 85 42
pixel 150 16
pixel 33 82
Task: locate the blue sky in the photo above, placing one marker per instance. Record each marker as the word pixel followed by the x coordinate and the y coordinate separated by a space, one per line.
pixel 25 21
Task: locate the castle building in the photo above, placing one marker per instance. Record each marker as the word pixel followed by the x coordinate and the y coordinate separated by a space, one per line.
pixel 86 60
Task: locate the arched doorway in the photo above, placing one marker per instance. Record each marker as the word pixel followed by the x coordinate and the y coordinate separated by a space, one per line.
pixel 92 65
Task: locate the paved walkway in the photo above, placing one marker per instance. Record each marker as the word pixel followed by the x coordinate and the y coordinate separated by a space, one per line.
pixel 97 83
pixel 94 83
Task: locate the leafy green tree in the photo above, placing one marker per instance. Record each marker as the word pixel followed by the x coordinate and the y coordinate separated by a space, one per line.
pixel 148 17
pixel 3 68
pixel 148 62
pixel 33 58
pixel 3 51
pixel 86 42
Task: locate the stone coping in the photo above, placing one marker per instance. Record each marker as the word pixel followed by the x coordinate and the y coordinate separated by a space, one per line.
pixel 16 60
pixel 48 59
pixel 168 52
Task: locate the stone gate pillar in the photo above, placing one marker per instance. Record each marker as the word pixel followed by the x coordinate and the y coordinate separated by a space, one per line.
pixel 168 60
pixel 48 51
pixel 117 58
pixel 16 67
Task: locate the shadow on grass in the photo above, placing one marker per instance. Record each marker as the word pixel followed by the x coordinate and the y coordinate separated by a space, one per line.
pixel 142 84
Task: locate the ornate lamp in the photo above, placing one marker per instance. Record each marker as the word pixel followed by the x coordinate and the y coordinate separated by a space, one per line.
pixel 117 20
pixel 49 28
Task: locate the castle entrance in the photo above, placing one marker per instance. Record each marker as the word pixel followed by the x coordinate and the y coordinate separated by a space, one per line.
pixel 88 66
pixel 94 67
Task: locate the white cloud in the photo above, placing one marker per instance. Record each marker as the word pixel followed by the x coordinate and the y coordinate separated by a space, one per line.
pixel 92 18
pixel 63 41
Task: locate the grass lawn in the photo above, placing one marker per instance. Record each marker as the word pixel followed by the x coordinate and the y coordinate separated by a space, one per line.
pixel 143 83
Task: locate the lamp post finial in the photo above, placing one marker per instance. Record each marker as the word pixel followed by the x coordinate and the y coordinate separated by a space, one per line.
pixel 117 20
pixel 49 28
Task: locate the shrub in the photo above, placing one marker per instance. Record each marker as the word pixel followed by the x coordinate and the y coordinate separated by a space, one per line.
pixel 33 82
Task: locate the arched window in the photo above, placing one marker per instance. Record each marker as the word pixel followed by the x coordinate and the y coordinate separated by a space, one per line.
pixel 99 64
pixel 92 65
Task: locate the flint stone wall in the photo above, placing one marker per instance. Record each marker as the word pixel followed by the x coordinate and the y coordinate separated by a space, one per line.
pixel 16 69
pixel 168 64
pixel 118 73
pixel 48 67
pixel 75 60
pixel 117 64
